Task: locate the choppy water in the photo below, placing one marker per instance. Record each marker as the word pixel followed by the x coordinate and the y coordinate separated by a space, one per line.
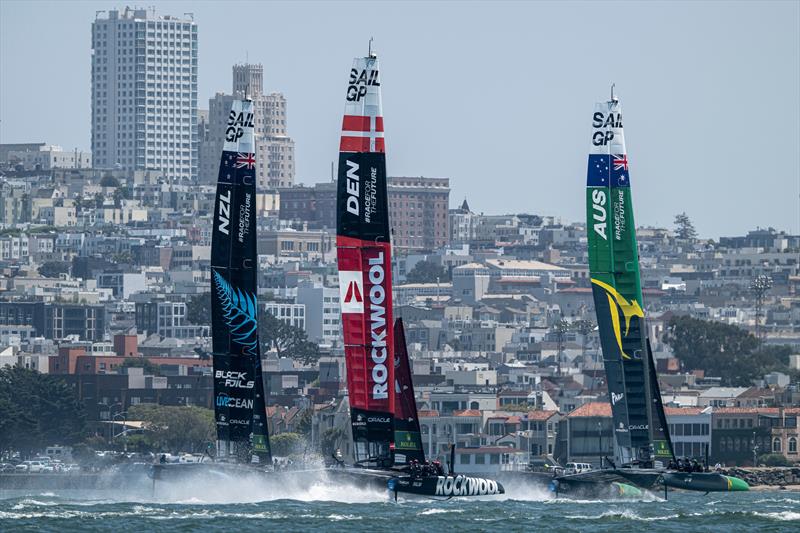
pixel 320 507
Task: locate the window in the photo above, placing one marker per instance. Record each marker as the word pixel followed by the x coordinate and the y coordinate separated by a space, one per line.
pixel 776 445
pixel 494 459
pixel 792 445
pixel 465 459
pixel 480 459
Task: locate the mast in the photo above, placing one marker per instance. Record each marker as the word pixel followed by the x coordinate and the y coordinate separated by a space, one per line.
pixel 407 433
pixel 616 284
pixel 239 405
pixel 364 262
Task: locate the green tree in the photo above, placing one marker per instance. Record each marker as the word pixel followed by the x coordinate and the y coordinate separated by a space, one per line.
pixel 684 228
pixel 198 308
pixel 109 181
pixel 773 459
pixel 37 410
pixel 149 367
pixel 285 444
pixel 723 350
pixel 52 269
pixel 427 272
pixel 175 428
pixel 289 341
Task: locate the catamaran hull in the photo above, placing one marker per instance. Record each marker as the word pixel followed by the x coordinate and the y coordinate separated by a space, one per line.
pixel 624 482
pixel 450 486
pixel 704 481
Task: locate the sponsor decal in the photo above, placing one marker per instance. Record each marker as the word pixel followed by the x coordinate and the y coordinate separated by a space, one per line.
pixel 224 212
pixel 244 217
pixel 464 486
pixel 239 422
pixel 601 120
pixel 616 397
pixel 621 428
pixel 237 122
pixel 236 380
pixel 616 304
pixel 600 213
pixel 404 440
pixel 224 400
pixel 359 421
pixel 619 215
pixel 379 419
pixel 351 291
pixel 359 81
pixel 379 352
pixel 636 427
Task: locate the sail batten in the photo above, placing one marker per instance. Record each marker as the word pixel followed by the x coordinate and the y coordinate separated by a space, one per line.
pixel 364 263
pixel 239 406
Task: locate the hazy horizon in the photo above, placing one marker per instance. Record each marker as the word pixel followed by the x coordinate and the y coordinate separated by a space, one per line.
pixel 495 96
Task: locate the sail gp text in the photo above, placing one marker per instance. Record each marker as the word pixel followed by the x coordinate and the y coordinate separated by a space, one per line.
pixel 377 297
pixel 359 80
pixel 236 124
pixel 599 120
pixel 465 486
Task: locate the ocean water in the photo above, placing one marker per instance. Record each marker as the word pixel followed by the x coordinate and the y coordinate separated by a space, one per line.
pixel 321 506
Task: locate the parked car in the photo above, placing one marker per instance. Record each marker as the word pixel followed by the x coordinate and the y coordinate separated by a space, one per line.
pixel 6 468
pixel 30 466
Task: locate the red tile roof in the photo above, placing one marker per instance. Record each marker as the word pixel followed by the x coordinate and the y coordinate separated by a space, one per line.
pixel 467 412
pixel 673 411
pixel 541 415
pixel 428 414
pixel 592 409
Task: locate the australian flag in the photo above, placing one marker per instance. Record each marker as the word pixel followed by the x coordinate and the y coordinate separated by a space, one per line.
pixel 607 170
pixel 598 173
pixel 619 171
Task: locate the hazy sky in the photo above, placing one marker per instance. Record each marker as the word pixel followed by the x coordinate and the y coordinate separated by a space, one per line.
pixel 496 96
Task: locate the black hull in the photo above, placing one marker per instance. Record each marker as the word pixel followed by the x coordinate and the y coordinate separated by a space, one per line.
pixel 393 481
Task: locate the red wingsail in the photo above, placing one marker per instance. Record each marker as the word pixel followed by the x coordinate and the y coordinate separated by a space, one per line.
pixel 364 257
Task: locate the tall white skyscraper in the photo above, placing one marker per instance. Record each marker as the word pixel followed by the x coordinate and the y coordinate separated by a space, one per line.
pixel 144 93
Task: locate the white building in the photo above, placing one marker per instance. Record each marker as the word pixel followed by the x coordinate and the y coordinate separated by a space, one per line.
pixel 323 323
pixel 48 157
pixel 291 314
pixel 144 92
pixel 274 148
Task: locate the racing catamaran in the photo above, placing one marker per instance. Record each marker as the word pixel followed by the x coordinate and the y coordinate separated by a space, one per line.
pixel 239 403
pixel 365 287
pixel 643 449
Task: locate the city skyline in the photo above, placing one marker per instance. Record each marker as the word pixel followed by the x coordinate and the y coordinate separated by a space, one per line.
pixel 533 110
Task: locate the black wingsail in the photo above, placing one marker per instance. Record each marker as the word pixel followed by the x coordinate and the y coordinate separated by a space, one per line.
pixel 239 405
pixel 407 434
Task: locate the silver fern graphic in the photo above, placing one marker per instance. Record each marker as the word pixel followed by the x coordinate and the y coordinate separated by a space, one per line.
pixel 239 313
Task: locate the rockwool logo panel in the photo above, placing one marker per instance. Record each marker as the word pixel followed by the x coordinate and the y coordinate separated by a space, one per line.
pixel 351 291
